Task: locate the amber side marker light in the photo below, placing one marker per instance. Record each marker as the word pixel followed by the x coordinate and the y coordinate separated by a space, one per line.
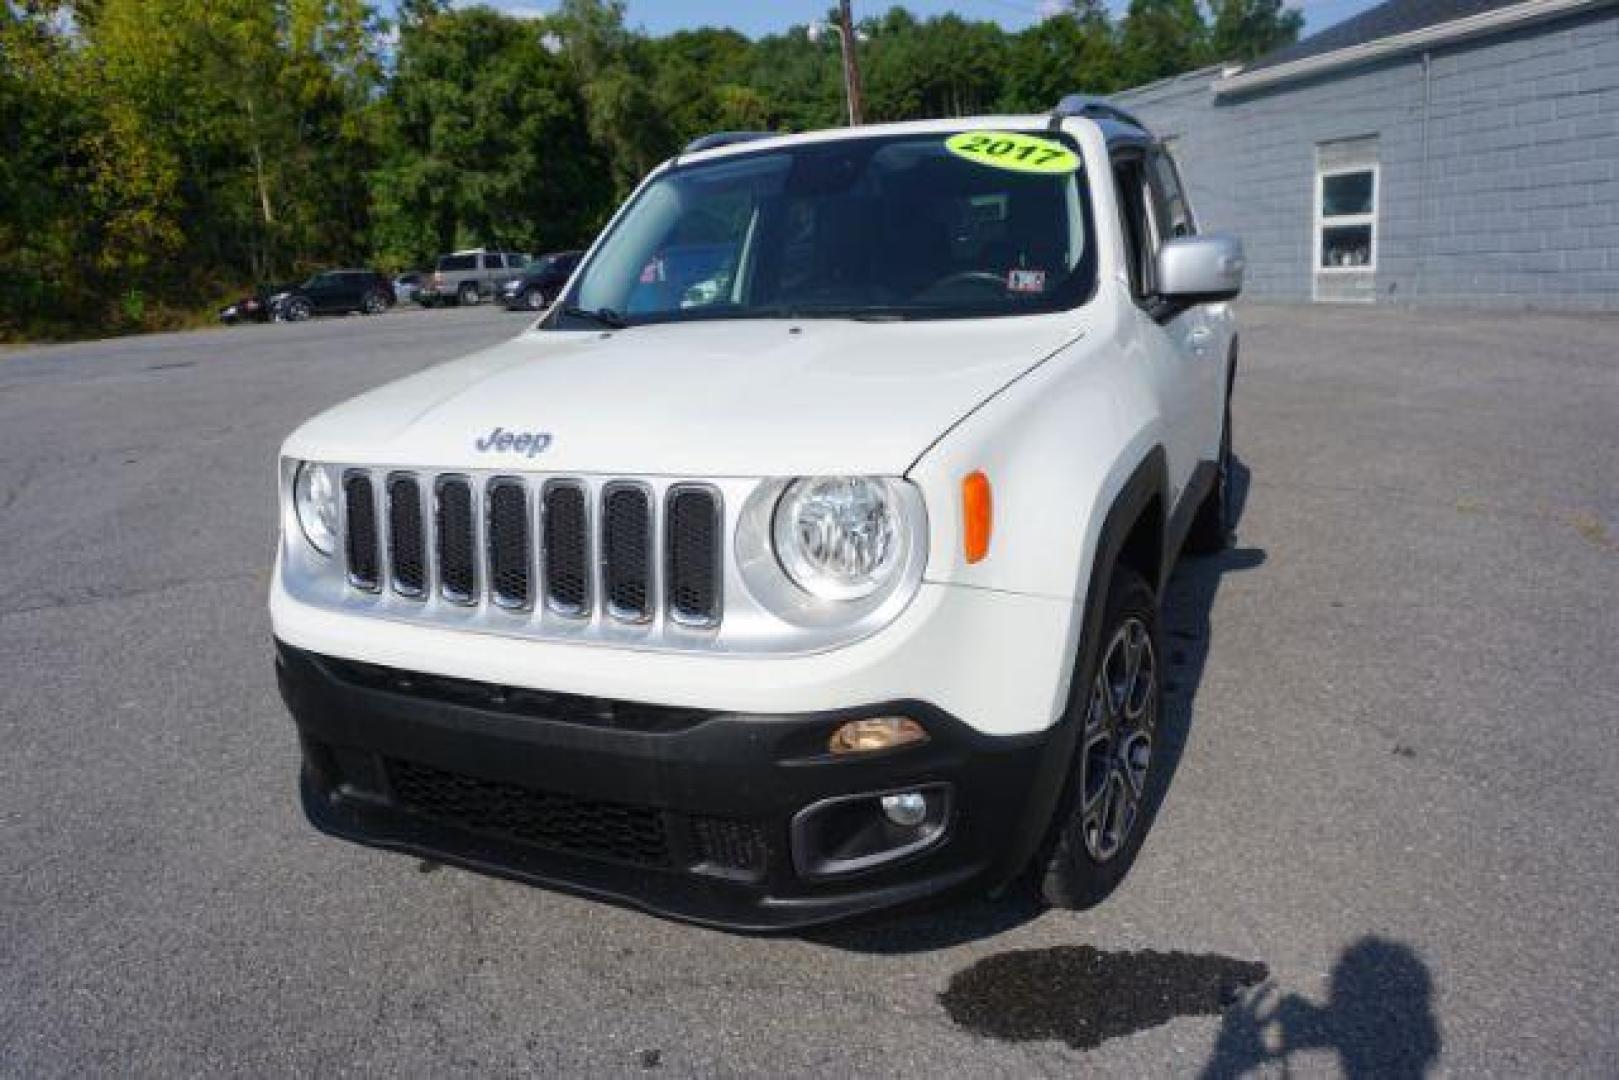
pixel 977 516
pixel 876 733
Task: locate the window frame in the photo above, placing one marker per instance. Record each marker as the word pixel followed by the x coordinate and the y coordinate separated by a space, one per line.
pixel 1158 154
pixel 1322 222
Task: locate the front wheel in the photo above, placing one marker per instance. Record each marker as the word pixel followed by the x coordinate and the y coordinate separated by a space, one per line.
pixel 533 298
pixel 297 310
pixel 467 294
pixel 374 303
pixel 1107 809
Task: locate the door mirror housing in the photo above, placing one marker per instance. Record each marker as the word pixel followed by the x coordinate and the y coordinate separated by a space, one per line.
pixel 1200 269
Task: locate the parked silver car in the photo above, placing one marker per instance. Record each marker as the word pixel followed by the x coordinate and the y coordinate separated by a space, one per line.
pixel 466 277
pixel 407 284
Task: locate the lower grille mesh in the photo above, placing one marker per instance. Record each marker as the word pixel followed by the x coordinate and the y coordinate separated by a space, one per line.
pixel 731 845
pixel 603 830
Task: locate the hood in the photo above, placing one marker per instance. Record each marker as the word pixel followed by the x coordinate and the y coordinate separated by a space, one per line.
pixel 720 398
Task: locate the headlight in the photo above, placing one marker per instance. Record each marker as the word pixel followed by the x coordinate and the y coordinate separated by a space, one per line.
pixel 840 537
pixel 314 497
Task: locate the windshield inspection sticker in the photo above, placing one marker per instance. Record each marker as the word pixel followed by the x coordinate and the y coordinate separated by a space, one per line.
pixel 1007 150
pixel 1026 281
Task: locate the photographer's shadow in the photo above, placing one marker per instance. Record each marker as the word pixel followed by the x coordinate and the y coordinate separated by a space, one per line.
pixel 1378 1020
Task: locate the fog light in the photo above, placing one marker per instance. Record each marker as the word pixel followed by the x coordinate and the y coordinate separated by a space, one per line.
pixel 876 733
pixel 907 809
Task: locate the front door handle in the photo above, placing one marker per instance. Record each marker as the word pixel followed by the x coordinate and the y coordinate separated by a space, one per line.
pixel 1199 338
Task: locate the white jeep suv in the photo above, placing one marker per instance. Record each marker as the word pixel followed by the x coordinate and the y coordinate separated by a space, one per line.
pixel 804 558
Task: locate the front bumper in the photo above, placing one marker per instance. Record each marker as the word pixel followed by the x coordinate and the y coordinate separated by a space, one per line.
pixel 684 812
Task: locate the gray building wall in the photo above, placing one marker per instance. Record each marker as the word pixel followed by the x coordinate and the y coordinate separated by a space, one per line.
pixel 1502 188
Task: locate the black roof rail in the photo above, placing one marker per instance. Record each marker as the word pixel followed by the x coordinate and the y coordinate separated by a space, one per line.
pixel 1094 108
pixel 725 138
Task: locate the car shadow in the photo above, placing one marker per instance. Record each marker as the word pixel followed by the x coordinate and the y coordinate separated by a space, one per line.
pixel 1187 603
pixel 1378 1019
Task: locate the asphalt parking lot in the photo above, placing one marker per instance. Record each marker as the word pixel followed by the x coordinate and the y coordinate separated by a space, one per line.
pixel 1395 816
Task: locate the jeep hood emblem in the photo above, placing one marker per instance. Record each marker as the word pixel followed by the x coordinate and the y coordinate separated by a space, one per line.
pixel 524 443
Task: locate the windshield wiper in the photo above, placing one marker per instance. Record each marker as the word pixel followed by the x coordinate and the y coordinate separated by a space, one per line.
pixel 605 316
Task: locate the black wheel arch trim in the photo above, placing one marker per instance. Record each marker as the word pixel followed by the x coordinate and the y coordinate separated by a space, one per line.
pixel 1149 481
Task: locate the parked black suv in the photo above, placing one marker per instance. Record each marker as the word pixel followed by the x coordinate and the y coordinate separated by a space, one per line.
pixel 335 292
pixel 540 281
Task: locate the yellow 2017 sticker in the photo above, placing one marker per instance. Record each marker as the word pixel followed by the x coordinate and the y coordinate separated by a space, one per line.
pixel 1008 150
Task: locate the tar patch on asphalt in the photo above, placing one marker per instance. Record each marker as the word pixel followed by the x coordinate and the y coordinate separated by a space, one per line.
pixel 1085 996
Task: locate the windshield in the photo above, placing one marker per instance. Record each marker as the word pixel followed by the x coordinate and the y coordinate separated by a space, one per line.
pixel 896 227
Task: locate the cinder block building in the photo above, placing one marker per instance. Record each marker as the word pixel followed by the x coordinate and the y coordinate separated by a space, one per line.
pixel 1455 152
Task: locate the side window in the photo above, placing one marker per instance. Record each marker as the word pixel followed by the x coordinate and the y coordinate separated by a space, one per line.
pixel 1174 217
pixel 1139 246
pixel 491 262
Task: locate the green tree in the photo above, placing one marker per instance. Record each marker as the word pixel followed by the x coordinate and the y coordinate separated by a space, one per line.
pixel 701 83
pixel 615 71
pixel 45 119
pixel 1248 29
pixel 484 141
pixel 945 66
pixel 1160 38
pixel 1076 50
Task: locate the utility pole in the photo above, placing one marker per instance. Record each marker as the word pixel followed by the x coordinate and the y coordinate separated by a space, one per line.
pixel 851 63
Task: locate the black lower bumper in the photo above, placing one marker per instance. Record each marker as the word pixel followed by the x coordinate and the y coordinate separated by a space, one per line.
pixel 683 812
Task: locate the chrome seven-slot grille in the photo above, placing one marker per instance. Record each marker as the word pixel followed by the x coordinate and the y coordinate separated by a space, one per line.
pixel 559 544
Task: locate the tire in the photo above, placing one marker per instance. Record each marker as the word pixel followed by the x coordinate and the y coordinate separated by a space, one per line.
pixel 467 294
pixel 297 310
pixel 373 303
pixel 1210 531
pixel 1108 805
pixel 533 298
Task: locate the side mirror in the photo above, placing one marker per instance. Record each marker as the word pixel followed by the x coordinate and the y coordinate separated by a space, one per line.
pixel 1200 269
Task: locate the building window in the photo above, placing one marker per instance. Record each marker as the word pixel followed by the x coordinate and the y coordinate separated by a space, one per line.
pixel 1346 220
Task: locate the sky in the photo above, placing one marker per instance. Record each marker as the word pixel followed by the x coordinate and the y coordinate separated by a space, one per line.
pixel 759 17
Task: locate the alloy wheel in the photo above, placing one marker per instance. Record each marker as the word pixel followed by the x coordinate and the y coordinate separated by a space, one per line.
pixel 1120 721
